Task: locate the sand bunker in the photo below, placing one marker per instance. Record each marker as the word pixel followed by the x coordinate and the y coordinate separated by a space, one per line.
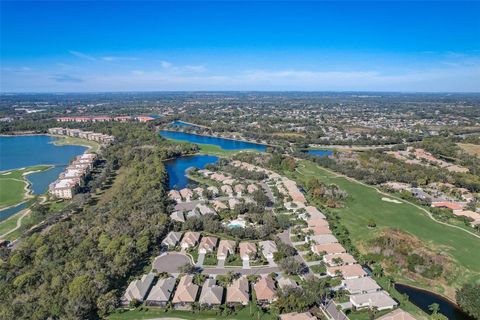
pixel 391 200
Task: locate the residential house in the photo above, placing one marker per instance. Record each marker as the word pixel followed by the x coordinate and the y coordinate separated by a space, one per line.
pixel 137 289
pixel 379 300
pixel 247 250
pixel 207 244
pixel 265 290
pixel 314 213
pixel 204 209
pixel 448 205
pixel 178 216
pixel 186 293
pixel 238 292
pixel 198 191
pixel 212 294
pixel 397 314
pixel 317 231
pixel 284 282
pixel 329 248
pixel 175 196
pixel 227 189
pixel 213 190
pixel 186 194
pixel 323 239
pixel 360 285
pixel 161 292
pixel 268 248
pixel 349 271
pixel 190 239
pixel 338 259
pixel 225 248
pixel 317 222
pixel 239 189
pixel 219 205
pixel 251 188
pixel 297 316
pixel 232 203
pixel 172 239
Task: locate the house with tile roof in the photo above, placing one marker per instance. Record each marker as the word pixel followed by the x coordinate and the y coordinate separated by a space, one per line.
pixel 137 289
pixel 360 285
pixel 225 248
pixel 172 240
pixel 207 244
pixel 190 239
pixel 212 294
pixel 247 250
pixel 186 293
pixel 265 290
pixel 161 292
pixel 238 292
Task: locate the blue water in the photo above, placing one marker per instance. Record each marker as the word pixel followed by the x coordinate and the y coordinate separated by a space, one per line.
pixel 320 153
pixel 25 151
pixel 222 143
pixel 4 214
pixel 423 298
pixel 183 124
pixel 39 181
pixel 176 169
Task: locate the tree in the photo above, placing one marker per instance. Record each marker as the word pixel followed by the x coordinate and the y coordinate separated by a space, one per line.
pixel 291 266
pixel 186 268
pixel 468 298
pixel 434 308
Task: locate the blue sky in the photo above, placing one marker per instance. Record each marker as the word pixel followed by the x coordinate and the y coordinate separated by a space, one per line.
pixel 314 46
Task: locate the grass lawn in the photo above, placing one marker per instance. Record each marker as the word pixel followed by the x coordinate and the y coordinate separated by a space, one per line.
pixel 233 260
pixel 210 259
pixel 155 313
pixel 365 203
pixel 64 141
pixel 13 184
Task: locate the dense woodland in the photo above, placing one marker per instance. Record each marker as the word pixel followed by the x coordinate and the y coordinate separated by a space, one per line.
pixel 79 267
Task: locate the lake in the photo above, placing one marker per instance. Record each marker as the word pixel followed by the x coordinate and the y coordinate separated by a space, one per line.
pixel 423 298
pixel 26 151
pixel 320 153
pixel 177 168
pixel 225 144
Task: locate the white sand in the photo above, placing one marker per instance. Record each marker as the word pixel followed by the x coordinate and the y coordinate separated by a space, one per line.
pixel 391 200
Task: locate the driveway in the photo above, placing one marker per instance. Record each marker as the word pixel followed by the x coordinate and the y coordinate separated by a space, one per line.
pixel 221 263
pixel 246 264
pixel 201 258
pixel 170 262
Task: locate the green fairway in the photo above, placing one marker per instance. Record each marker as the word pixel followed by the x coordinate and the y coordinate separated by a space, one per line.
pixel 365 203
pixel 212 150
pixel 63 141
pixel 13 185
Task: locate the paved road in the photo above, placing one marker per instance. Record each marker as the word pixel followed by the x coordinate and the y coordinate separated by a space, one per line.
pixel 240 270
pixel 170 262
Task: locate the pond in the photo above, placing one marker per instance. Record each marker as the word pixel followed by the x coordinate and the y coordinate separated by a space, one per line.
pixel 320 153
pixel 422 299
pixel 226 144
pixel 176 169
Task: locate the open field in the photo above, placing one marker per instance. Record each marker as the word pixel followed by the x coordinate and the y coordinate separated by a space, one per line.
pixel 471 149
pixel 13 185
pixel 158 313
pixel 63 141
pixel 365 203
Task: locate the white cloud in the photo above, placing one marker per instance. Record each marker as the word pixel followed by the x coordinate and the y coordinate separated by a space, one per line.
pixel 82 55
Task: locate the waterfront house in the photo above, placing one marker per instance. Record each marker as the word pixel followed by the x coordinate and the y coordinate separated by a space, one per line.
pixel 198 191
pixel 172 239
pixel 268 248
pixel 349 271
pixel 186 194
pixel 248 250
pixel 207 244
pixel 186 293
pixel 329 248
pixel 297 316
pixel 360 285
pixel 265 290
pixel 225 248
pixel 137 289
pixel 397 314
pixel 379 300
pixel 161 292
pixel 338 259
pixel 212 294
pixel 190 239
pixel 238 292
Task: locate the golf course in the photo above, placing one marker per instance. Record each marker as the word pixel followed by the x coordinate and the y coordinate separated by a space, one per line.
pixel 366 203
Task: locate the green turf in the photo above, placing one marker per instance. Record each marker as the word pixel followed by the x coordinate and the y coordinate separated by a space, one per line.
pixel 63 141
pixel 156 313
pixel 13 183
pixel 365 203
pixel 212 150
